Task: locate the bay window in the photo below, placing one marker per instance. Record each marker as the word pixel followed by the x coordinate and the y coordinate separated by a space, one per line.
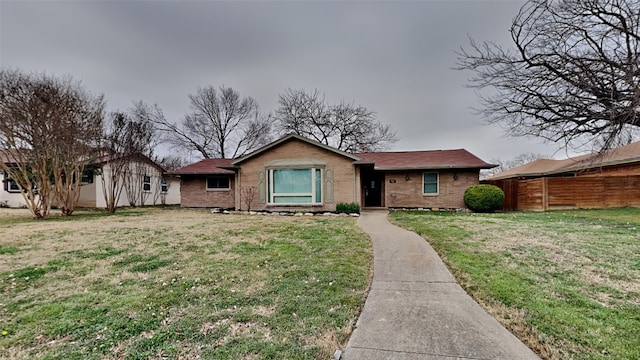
pixel 294 186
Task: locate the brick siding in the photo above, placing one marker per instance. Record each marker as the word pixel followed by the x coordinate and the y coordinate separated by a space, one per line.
pixel 194 193
pixel 408 193
pixel 345 185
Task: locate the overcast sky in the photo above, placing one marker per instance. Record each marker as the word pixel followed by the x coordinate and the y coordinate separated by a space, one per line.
pixel 394 58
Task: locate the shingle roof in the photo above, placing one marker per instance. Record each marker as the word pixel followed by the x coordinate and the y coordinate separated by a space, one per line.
pixel 542 167
pixel 206 167
pixel 436 159
pixel 4 157
pixel 401 160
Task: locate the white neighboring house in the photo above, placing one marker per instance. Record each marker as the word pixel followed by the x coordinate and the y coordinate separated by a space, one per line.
pixel 153 186
pixel 149 181
pixel 11 193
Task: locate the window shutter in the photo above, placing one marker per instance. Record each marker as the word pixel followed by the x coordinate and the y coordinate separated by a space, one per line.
pixel 328 186
pixel 262 189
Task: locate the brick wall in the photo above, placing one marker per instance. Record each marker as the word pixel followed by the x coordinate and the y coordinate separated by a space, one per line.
pixel 408 193
pixel 345 186
pixel 194 193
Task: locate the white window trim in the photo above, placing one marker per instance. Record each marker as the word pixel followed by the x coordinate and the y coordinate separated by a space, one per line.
pixel 164 186
pixel 17 190
pixel 437 183
pixel 207 188
pixel 146 183
pixel 272 194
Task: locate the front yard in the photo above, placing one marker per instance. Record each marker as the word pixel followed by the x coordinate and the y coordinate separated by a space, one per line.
pixel 155 284
pixel 566 283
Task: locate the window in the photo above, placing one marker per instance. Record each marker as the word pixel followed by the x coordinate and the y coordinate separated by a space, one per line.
pixel 146 183
pixel 218 183
pixel 11 186
pixel 87 177
pixel 295 186
pixel 430 183
pixel 164 185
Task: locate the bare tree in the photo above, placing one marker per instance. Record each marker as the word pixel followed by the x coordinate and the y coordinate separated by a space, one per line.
pixel 573 77
pixel 220 124
pixel 48 127
pixel 128 138
pixel 248 194
pixel 345 126
pixel 172 162
pixel 504 165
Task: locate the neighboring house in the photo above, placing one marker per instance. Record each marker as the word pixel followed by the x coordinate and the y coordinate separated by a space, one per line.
pixel 298 174
pixel 153 185
pixel 11 193
pixel 149 183
pixel 607 180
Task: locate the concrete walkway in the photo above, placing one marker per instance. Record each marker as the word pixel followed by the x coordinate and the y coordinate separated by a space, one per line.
pixel 416 310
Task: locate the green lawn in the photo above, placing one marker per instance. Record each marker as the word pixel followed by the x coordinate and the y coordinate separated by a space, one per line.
pixel 172 283
pixel 565 282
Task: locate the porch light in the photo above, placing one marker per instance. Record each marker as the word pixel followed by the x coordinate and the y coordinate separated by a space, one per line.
pixel 407 177
pixel 455 176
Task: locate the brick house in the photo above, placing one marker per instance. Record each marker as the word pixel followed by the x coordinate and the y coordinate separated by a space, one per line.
pixel 294 173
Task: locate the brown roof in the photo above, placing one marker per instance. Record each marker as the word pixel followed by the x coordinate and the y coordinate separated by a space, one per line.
pixel 542 167
pixel 403 160
pixel 436 159
pixel 4 157
pixel 206 167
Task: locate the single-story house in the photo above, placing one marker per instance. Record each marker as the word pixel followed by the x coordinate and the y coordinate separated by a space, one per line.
pixel 148 184
pixel 294 173
pixel 606 180
pixel 152 186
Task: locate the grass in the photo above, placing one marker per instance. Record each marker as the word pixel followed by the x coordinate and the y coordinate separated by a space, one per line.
pixel 567 283
pixel 170 283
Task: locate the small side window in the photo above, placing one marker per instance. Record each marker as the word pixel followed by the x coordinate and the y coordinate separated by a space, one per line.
pixel 12 186
pixel 146 183
pixel 218 183
pixel 430 183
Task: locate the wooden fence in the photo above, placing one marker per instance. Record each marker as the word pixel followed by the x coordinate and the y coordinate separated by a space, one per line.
pixel 583 192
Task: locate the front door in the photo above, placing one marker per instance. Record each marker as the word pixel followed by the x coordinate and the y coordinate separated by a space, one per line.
pixel 372 186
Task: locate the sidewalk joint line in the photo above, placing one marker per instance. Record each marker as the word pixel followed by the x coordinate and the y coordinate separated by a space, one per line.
pixel 420 353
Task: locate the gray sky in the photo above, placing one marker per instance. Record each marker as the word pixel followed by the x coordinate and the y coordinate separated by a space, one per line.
pixel 394 58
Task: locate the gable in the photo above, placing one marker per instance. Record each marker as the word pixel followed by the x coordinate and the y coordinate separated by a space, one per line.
pixel 308 144
pixel 296 153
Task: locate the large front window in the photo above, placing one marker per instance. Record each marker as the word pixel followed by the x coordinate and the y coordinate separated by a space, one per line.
pixel 295 186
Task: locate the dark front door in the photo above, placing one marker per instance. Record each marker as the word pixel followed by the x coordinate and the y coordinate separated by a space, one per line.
pixel 372 186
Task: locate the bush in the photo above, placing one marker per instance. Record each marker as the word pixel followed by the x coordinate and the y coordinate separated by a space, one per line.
pixel 484 198
pixel 348 208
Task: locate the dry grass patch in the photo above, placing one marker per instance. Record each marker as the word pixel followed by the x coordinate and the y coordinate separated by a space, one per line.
pixel 158 283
